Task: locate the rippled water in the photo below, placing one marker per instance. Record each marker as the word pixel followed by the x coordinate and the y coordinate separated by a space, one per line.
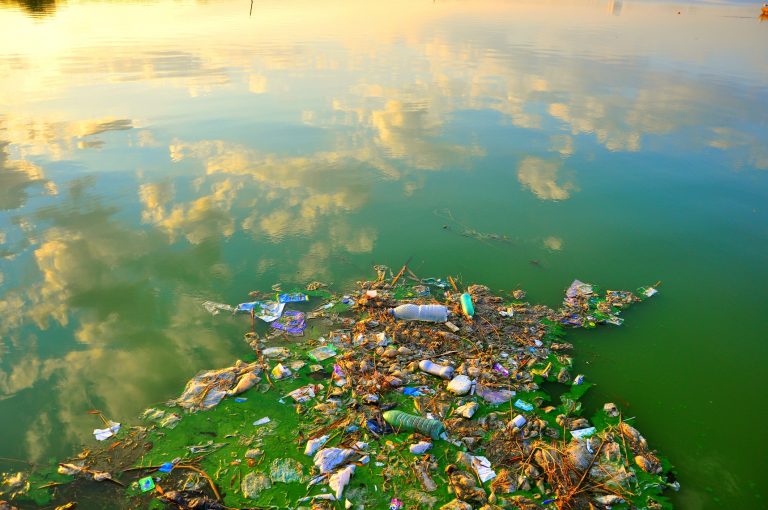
pixel 157 154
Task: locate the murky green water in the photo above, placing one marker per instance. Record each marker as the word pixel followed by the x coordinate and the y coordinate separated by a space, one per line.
pixel 158 154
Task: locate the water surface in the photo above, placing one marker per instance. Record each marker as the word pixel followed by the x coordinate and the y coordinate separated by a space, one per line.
pixel 157 154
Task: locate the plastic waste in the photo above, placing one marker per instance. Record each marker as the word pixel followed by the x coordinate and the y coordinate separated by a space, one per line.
pixel 404 421
pixel 328 459
pixel 467 410
pixel 215 308
pixel 466 305
pixel 268 311
pixel 413 312
pixel 294 297
pixel 494 396
pixel 395 504
pixel 280 371
pixel 460 385
pixel 500 369
pixel 340 479
pixel 518 421
pixel 322 353
pixel 262 421
pixel 291 322
pixel 315 444
pixel 482 466
pixel 303 394
pixel 276 352
pixel 102 434
pixel 582 433
pixel 579 379
pixel 420 447
pixel 413 392
pixel 522 404
pixel 166 467
pixel 444 371
pixel 146 484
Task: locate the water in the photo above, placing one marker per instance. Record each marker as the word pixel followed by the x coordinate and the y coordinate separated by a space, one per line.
pixel 158 154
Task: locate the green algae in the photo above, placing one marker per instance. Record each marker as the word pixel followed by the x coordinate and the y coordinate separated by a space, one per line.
pixel 217 441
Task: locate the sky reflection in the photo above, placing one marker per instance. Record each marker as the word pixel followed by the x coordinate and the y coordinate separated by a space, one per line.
pixel 145 162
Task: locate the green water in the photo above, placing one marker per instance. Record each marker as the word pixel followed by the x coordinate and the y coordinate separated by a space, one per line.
pixel 154 155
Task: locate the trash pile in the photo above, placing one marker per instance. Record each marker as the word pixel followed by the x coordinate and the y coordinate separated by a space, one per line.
pixel 408 393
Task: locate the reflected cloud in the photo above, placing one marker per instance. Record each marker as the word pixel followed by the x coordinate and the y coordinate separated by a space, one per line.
pixel 746 147
pixel 553 243
pixel 541 177
pixel 16 179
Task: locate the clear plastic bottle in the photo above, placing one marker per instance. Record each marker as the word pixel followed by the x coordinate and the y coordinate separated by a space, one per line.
pixel 413 312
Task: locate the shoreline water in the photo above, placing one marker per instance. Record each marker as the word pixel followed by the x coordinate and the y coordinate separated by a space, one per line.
pixel 491 416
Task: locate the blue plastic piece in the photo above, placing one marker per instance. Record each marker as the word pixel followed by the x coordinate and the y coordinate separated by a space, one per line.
pixel 167 467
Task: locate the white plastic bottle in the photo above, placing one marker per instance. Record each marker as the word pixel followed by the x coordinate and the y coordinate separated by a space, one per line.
pixel 413 312
pixel 444 371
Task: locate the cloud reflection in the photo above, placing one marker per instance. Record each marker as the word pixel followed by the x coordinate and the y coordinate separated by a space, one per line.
pixel 542 178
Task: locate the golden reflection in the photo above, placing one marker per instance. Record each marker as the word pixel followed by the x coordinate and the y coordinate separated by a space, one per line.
pixel 541 177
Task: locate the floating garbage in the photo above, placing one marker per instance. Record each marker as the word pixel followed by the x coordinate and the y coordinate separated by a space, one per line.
pixel 215 308
pixel 404 421
pixel 294 297
pixel 446 372
pixel 111 430
pixel 393 393
pixel 322 353
pixel 281 372
pixel 466 305
pixel 291 322
pixel 427 313
pixel 268 311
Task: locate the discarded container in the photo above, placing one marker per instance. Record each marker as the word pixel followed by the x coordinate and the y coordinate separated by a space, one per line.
pixel 444 371
pixel 404 421
pixel 460 385
pixel 518 421
pixel 466 305
pixel 428 313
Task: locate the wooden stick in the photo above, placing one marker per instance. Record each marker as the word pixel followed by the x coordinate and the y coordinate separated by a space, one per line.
pixel 397 277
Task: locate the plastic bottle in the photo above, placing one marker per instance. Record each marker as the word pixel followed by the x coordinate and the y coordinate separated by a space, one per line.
pixel 444 371
pixel 413 312
pixel 404 421
pixel 466 305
